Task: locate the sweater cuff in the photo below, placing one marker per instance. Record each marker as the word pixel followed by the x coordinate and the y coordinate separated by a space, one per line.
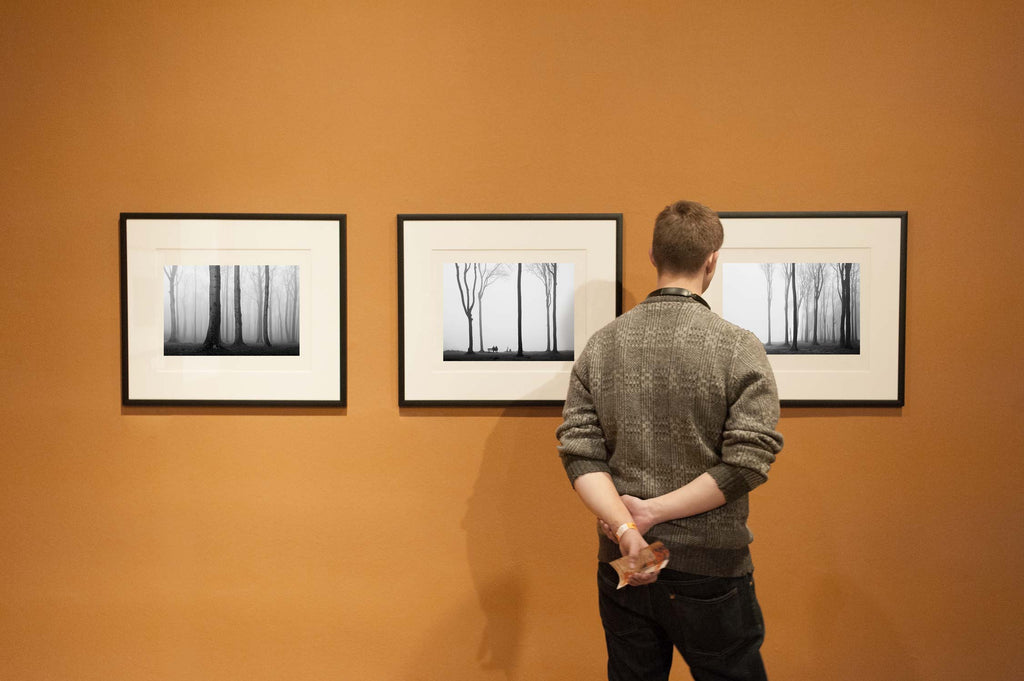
pixel 576 466
pixel 735 481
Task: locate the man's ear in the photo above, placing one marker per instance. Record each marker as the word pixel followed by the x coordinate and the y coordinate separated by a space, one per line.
pixel 709 270
pixel 711 264
pixel 650 256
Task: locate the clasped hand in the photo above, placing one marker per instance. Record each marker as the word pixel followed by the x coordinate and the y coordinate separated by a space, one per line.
pixel 641 512
pixel 632 543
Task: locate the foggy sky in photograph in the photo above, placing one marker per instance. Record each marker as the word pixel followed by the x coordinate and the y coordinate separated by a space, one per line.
pixel 745 299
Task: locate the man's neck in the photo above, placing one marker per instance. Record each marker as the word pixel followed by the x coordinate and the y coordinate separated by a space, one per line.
pixel 692 283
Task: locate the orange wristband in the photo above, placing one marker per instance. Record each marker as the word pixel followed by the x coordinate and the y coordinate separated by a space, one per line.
pixel 622 530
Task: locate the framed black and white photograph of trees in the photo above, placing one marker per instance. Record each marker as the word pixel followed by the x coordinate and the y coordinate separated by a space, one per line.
pixel 825 293
pixel 494 308
pixel 232 309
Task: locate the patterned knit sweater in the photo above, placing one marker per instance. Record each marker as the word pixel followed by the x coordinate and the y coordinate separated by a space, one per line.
pixel 662 394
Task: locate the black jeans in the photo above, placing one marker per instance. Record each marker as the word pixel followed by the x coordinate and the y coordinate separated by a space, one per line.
pixel 714 622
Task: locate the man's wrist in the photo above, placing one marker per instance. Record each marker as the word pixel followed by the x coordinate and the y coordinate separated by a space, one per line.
pixel 655 511
pixel 623 529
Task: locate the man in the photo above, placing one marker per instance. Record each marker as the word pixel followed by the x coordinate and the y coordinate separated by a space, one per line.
pixel 669 422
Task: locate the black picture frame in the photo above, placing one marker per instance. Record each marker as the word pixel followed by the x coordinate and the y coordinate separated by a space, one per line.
pixel 431 372
pixel 867 250
pixel 304 256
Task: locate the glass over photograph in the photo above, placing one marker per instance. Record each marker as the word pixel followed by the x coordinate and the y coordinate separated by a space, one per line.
pixel 508 311
pixel 796 308
pixel 231 310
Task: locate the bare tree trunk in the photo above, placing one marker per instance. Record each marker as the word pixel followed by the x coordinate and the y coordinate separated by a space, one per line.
pixel 287 329
pixel 266 305
pixel 224 303
pixel 480 325
pixel 845 338
pixel 195 307
pixel 172 282
pixel 544 271
pixel 817 284
pixel 213 329
pixel 849 309
pixel 239 340
pixel 855 307
pixel 815 341
pixel 785 305
pixel 467 296
pixel 768 270
pixel 295 305
pixel 554 307
pixel 835 323
pixel 547 324
pixel 519 307
pixel 796 309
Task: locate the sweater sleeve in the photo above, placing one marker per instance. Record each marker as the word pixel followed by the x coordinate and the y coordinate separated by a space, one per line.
pixel 749 440
pixel 582 443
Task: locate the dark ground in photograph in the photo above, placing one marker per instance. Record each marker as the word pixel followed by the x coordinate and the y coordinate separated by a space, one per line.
pixel 278 349
pixel 810 349
pixel 541 356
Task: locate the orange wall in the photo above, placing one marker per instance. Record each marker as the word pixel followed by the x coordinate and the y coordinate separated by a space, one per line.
pixel 379 543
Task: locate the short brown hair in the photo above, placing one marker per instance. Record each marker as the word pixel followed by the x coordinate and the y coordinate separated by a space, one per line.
pixel 685 234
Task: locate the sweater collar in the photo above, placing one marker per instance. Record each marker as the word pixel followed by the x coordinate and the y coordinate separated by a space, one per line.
pixel 677 291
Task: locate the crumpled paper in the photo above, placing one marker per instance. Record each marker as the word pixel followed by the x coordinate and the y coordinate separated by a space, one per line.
pixel 651 559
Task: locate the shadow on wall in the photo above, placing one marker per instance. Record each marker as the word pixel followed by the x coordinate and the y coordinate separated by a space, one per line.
pixel 529 610
pixel 501 537
pixel 523 508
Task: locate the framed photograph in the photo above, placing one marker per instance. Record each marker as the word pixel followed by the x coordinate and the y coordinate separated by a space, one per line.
pixel 493 308
pixel 826 294
pixel 232 309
